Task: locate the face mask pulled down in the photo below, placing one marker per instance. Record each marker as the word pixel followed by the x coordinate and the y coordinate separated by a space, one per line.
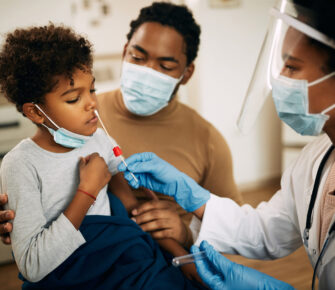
pixel 144 90
pixel 291 100
pixel 64 137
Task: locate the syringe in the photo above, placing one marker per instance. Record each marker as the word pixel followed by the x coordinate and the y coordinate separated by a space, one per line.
pixel 116 149
pixel 187 259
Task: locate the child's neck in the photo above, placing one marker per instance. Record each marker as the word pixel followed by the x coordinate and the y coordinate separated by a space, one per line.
pixel 45 140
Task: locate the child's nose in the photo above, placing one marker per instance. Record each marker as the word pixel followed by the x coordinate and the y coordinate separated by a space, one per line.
pixel 91 103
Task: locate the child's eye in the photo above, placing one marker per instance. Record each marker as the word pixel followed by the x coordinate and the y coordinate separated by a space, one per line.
pixel 92 91
pixel 73 100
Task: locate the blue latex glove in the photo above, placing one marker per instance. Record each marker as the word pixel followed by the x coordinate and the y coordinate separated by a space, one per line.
pixel 220 273
pixel 156 174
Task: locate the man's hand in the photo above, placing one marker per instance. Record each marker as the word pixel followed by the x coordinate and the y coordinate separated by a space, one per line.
pixel 5 216
pixel 161 219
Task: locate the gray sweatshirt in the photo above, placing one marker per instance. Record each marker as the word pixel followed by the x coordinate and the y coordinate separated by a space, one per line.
pixel 40 185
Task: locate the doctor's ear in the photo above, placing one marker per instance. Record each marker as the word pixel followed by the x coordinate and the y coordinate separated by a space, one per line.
pixel 32 113
pixel 188 73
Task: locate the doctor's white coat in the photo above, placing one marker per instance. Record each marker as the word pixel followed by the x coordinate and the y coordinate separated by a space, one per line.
pixel 275 228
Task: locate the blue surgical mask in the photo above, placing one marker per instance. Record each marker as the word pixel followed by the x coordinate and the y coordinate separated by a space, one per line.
pixel 64 137
pixel 144 90
pixel 291 100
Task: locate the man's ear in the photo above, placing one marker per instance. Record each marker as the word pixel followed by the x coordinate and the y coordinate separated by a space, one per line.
pixel 124 50
pixel 188 73
pixel 32 113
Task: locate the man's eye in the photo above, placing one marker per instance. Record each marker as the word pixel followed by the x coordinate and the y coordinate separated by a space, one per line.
pixel 136 58
pixel 164 67
pixel 73 100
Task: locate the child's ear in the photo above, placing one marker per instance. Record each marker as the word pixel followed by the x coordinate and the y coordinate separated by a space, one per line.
pixel 32 113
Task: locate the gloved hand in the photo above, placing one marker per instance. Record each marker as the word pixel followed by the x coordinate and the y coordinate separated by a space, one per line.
pixel 156 174
pixel 220 273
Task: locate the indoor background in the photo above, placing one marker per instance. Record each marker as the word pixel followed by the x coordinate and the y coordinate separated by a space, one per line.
pixel 232 35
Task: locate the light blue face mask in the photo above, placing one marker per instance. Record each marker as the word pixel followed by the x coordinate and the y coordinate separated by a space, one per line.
pixel 144 90
pixel 291 100
pixel 64 137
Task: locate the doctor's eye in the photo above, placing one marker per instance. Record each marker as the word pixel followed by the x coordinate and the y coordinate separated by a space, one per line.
pixel 289 70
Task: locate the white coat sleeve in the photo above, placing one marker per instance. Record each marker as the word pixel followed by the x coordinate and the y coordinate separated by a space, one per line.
pixel 267 232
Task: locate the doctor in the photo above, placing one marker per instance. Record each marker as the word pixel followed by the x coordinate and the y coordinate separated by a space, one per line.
pixel 298 60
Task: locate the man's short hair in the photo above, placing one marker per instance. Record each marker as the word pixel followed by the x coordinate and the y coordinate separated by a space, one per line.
pixel 179 17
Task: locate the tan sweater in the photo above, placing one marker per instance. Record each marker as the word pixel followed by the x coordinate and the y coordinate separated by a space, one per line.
pixel 180 136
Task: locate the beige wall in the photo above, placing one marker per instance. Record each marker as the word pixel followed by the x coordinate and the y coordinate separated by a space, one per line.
pixel 230 42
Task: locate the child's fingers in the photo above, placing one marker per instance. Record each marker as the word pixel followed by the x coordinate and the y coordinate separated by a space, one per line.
pixel 82 162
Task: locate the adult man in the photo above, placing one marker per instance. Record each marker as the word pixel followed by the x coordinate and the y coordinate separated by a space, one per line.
pixel 162 46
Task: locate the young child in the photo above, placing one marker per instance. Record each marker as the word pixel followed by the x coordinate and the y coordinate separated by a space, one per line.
pixel 67 232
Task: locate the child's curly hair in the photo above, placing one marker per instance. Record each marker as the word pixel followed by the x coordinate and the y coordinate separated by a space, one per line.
pixel 32 58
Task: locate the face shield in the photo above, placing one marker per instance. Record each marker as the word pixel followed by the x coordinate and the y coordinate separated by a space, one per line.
pixel 290 32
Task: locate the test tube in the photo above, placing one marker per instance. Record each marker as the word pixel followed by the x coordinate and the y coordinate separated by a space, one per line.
pixel 116 149
pixel 187 259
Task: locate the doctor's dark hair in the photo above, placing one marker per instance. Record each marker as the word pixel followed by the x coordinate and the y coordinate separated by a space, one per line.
pixel 31 59
pixel 324 21
pixel 179 17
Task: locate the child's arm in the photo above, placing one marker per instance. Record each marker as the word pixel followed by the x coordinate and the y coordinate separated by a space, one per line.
pixel 40 245
pixel 119 187
pixel 94 175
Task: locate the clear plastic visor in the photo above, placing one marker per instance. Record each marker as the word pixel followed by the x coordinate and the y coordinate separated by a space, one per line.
pixel 289 47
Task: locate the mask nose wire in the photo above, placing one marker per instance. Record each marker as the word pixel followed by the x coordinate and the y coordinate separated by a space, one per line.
pixel 38 107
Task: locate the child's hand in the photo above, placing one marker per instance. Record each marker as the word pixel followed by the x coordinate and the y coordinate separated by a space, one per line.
pixel 161 219
pixel 94 173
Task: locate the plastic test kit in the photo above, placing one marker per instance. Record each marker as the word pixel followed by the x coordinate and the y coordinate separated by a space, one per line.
pixel 187 259
pixel 116 149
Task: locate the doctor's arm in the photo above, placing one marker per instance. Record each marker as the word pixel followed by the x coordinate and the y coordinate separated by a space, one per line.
pixel 218 272
pixel 269 231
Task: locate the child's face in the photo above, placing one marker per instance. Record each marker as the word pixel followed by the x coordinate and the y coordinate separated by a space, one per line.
pixel 72 106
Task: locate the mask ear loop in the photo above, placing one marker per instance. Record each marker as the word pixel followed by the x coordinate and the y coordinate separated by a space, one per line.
pixel 328 109
pixel 38 107
pixel 326 77
pixel 321 79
